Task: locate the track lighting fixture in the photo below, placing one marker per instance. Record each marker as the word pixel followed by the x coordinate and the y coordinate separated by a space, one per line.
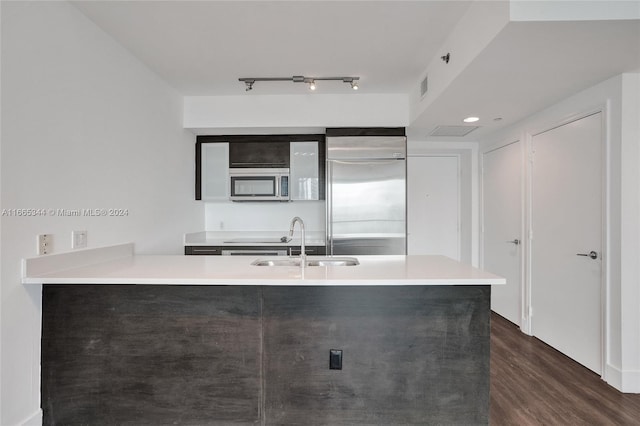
pixel 311 81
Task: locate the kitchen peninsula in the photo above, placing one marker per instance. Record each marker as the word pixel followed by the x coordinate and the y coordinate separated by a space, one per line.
pixel 216 340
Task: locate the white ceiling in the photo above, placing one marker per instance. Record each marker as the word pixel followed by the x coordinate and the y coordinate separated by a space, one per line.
pixel 531 65
pixel 203 47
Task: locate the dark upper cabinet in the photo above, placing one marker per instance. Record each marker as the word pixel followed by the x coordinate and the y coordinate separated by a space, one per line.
pixel 259 154
pixel 251 151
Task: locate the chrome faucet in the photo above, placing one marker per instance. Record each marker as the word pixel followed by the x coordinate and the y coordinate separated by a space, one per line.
pixel 303 255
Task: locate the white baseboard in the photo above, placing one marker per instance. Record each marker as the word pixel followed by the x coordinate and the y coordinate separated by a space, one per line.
pixel 33 420
pixel 631 381
pixel 624 381
pixel 613 376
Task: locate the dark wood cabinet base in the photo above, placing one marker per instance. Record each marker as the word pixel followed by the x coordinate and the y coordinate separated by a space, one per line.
pixel 236 355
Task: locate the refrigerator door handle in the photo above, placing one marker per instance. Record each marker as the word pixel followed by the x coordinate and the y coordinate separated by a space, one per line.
pixel 329 215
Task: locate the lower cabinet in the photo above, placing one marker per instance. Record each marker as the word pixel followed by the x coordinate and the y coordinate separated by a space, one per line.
pixel 246 355
pixel 410 355
pixel 151 355
pixel 218 250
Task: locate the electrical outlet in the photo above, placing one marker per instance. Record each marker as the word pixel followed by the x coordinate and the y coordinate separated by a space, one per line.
pixel 45 244
pixel 335 359
pixel 78 239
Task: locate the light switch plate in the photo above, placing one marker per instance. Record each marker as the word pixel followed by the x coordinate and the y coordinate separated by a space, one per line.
pixel 45 244
pixel 78 239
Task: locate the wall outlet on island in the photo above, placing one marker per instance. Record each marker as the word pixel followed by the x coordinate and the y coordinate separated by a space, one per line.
pixel 78 239
pixel 45 244
pixel 335 359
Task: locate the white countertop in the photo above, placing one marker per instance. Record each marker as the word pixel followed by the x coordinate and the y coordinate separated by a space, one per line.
pixel 118 265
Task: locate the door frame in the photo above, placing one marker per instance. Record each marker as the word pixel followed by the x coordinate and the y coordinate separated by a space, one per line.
pixel 605 177
pixel 459 197
pixel 523 250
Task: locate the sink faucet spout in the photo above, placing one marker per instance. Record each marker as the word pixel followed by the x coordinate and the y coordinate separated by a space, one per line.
pixel 303 255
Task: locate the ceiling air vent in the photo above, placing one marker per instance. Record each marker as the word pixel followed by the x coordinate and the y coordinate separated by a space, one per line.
pixel 424 86
pixel 452 130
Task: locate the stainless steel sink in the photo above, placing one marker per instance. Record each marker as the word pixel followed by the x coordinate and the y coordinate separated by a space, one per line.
pixel 309 261
pixel 332 261
pixel 276 262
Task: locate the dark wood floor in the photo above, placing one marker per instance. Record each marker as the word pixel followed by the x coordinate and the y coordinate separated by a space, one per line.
pixel 533 384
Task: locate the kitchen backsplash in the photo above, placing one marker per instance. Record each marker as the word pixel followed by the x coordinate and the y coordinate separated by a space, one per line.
pixel 263 216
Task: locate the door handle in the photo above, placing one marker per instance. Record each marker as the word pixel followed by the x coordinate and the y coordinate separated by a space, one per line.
pixel 516 241
pixel 592 254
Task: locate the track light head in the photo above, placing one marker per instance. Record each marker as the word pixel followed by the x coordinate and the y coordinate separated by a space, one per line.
pixel 248 83
pixel 353 81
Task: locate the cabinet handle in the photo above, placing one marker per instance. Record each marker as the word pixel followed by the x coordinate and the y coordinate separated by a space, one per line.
pixel 195 250
pixel 238 163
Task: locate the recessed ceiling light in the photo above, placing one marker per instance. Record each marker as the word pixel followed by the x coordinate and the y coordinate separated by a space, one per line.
pixel 471 119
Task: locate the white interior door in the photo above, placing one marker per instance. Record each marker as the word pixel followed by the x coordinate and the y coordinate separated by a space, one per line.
pixel 502 226
pixel 566 223
pixel 433 206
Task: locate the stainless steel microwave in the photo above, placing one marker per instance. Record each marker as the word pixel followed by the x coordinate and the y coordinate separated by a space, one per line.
pixel 259 184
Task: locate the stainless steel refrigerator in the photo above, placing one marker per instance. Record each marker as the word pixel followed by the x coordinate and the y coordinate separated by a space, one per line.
pixel 366 195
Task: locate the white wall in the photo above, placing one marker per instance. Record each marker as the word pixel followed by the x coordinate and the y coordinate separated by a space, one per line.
pixel 619 96
pixel 482 22
pixel 85 125
pixel 230 216
pixel 1 334
pixel 630 235
pixel 468 152
pixel 290 111
pixel 573 10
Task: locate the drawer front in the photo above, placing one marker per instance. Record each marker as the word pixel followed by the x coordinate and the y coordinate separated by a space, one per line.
pixel 203 250
pixel 309 250
pixel 217 250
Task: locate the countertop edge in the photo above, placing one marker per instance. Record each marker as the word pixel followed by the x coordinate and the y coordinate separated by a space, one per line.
pixel 117 265
pixel 259 282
